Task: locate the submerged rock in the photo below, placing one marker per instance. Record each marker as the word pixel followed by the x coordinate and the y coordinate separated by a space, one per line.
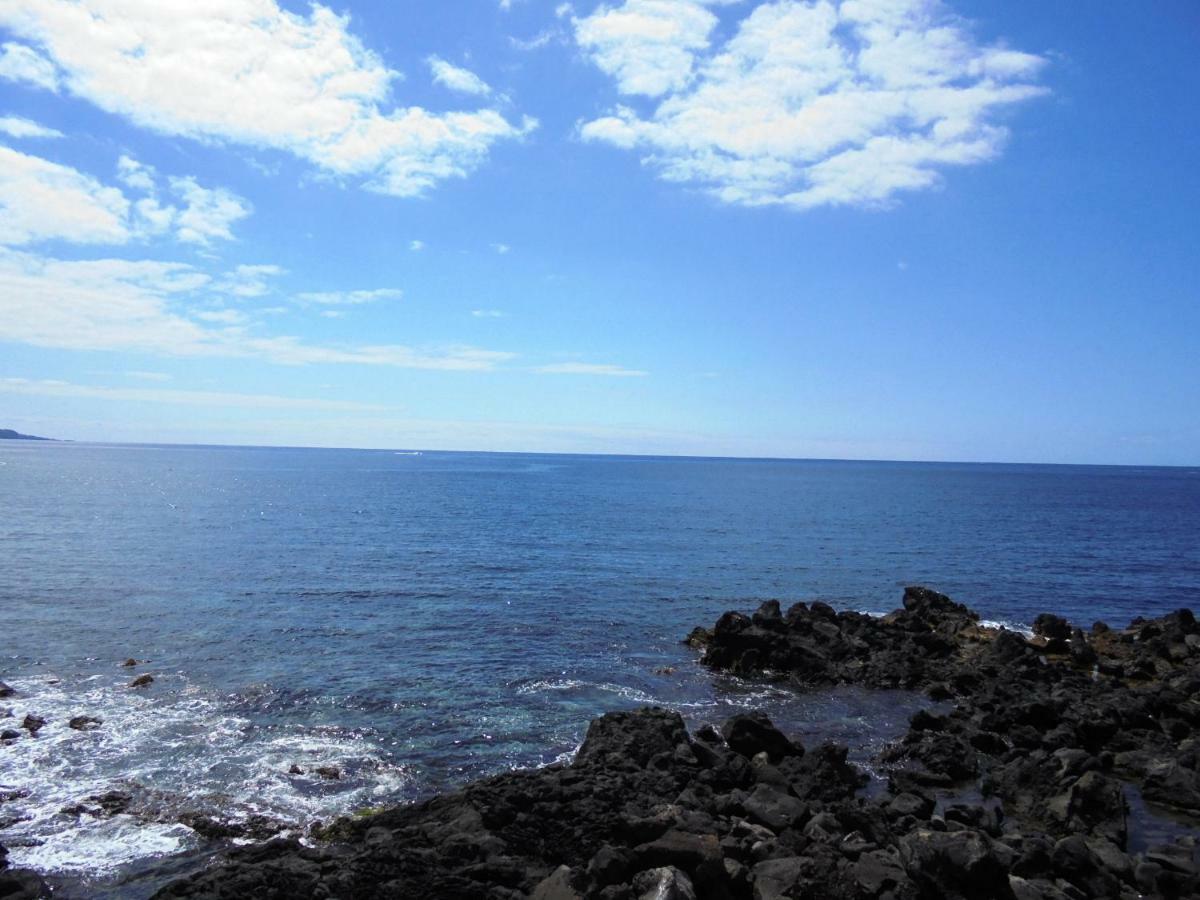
pixel 142 681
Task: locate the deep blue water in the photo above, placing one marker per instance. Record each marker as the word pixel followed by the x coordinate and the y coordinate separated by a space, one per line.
pixel 418 620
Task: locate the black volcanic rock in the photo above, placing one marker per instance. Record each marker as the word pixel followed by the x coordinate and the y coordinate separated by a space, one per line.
pixel 1040 741
pixel 20 884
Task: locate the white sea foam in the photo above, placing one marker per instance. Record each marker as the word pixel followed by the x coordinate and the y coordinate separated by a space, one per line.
pixel 1019 627
pixel 175 749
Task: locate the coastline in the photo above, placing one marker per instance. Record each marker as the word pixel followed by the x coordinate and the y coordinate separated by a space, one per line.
pixel 1018 784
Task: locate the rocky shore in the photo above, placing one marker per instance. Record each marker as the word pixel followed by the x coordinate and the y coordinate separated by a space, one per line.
pixel 1015 786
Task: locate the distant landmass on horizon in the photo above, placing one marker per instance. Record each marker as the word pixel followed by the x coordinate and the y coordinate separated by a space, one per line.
pixel 8 434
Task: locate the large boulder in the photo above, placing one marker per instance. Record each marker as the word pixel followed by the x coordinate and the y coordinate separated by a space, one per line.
pixel 957 864
pixel 752 733
pixel 632 738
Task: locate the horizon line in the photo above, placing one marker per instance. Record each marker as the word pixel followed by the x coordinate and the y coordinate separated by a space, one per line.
pixel 612 454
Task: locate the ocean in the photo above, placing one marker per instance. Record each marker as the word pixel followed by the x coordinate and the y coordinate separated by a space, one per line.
pixel 416 620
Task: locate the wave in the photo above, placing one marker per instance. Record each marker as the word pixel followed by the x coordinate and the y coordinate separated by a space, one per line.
pixel 174 750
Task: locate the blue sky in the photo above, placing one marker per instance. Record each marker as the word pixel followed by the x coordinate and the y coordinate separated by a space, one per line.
pixel 869 229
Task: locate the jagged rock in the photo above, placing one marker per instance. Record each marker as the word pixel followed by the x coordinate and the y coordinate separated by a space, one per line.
pixel 610 865
pixel 22 884
pixel 142 681
pixel 85 723
pixel 774 878
pixel 667 883
pixel 33 724
pixel 1172 784
pixel 748 813
pixel 752 733
pixel 1094 804
pixel 911 805
pixel 959 864
pixel 1051 627
pixel 634 738
pixel 771 807
pixel 879 870
pixel 5 690
pixel 129 663
pixel 329 773
pixel 1075 863
pixel 556 886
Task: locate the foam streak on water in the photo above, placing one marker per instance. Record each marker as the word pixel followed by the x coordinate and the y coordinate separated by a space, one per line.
pixel 176 750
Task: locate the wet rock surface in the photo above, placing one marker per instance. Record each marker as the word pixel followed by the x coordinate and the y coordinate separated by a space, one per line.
pixel 1013 788
pixel 19 884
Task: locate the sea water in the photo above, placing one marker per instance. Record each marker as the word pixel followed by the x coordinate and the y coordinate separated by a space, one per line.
pixel 416 620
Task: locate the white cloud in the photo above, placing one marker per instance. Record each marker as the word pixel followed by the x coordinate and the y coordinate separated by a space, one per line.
pixel 207 213
pixel 141 375
pixel 501 248
pixel 221 316
pixel 416 246
pixel 579 368
pixel 487 313
pixel 541 39
pixel 349 298
pixel 648 46
pixel 807 103
pixel 145 306
pixel 21 63
pixel 15 126
pixel 134 174
pixel 249 72
pixel 455 78
pixel 249 281
pixel 41 200
pixel 218 399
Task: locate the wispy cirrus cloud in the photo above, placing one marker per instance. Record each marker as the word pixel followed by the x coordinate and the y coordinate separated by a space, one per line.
pixel 165 309
pixel 251 73
pixel 216 399
pixel 806 104
pixel 349 298
pixel 246 281
pixel 17 127
pixel 581 368
pixel 456 78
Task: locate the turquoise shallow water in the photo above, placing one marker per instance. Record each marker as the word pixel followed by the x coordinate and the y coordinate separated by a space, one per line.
pixel 418 620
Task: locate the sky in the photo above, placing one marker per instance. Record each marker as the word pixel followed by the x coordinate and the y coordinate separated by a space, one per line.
pixel 868 229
